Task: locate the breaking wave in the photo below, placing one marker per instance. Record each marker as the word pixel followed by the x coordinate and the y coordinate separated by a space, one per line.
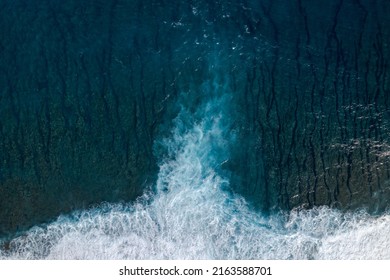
pixel 191 214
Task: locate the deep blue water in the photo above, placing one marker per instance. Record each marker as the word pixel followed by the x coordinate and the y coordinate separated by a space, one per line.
pixel 194 129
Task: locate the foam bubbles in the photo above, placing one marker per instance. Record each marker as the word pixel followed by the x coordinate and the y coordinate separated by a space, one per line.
pixel 203 228
pixel 191 216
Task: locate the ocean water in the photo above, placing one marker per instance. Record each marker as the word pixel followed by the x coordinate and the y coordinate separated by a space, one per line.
pixel 196 129
pixel 192 214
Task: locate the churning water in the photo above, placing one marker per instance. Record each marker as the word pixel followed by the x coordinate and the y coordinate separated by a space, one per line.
pixel 191 215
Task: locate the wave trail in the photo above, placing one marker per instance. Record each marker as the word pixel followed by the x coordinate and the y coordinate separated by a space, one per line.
pixel 192 216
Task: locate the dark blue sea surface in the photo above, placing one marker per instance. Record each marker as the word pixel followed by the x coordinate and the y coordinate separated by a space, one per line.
pixel 194 129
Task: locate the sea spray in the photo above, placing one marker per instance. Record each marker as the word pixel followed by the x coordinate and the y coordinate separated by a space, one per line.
pixel 192 214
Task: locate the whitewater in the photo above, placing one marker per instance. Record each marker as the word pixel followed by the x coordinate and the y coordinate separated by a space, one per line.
pixel 191 213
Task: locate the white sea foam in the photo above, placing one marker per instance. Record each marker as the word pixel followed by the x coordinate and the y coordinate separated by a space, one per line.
pixel 191 216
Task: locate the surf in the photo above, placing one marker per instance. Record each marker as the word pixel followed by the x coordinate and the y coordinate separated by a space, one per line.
pixel 191 212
